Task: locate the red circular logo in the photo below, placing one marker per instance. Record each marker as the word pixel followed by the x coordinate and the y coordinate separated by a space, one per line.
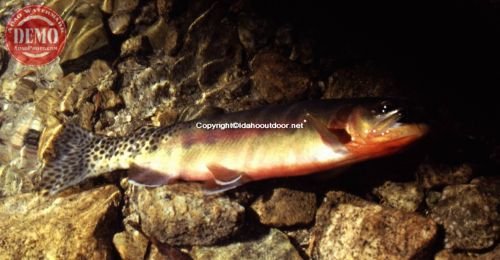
pixel 35 35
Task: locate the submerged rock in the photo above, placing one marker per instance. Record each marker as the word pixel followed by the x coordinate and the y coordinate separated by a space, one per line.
pixel 285 207
pixel 131 244
pixel 273 245
pixel 85 28
pixel 349 227
pixel 470 216
pixel 364 80
pixel 73 226
pixel 166 253
pixel 448 254
pixel 403 196
pixel 276 78
pixel 180 214
pixel 436 175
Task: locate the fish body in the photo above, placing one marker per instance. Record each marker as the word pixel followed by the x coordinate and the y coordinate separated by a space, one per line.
pixel 228 150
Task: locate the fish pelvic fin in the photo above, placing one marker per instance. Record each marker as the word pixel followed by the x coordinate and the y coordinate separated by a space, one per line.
pixel 70 160
pixel 224 179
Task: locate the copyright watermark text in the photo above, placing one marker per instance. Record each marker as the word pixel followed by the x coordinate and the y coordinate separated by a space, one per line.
pixel 245 125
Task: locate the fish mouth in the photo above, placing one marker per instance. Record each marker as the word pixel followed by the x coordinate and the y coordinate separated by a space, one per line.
pixel 368 126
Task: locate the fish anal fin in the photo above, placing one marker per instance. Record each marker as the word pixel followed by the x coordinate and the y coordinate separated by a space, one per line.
pixel 224 179
pixel 146 177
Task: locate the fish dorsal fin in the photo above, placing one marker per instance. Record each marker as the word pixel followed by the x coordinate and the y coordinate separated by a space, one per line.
pixel 146 177
pixel 224 179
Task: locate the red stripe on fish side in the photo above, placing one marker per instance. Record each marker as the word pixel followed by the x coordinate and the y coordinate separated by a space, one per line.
pixel 293 170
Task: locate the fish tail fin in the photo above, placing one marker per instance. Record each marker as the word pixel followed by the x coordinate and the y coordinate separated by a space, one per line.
pixel 69 160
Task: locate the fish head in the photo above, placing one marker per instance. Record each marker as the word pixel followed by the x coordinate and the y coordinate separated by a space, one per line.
pixel 380 127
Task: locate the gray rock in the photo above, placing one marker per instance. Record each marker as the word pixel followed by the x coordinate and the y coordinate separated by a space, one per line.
pixel 469 215
pixel 348 227
pixel 273 245
pixel 300 238
pixel 285 207
pixel 67 226
pixel 403 196
pixel 180 214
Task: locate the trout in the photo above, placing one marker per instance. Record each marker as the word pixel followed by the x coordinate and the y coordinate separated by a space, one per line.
pixel 228 150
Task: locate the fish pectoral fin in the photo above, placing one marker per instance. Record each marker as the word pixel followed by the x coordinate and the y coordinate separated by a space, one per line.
pixel 146 177
pixel 224 179
pixel 327 136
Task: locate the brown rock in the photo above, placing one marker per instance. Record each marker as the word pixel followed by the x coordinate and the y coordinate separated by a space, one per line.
pixel 73 226
pixel 130 244
pixel 469 215
pixel 273 245
pixel 403 196
pixel 19 131
pixel 165 7
pixel 18 91
pixel 118 23
pixel 164 252
pixel 180 214
pixel 350 228
pixel 448 254
pixel 360 81
pixel 157 34
pixel 277 79
pixel 86 31
pixel 4 58
pixel 436 175
pixel 71 93
pixel 124 5
pixel 135 45
pixel 85 115
pixel 147 14
pixel 107 99
pixel 106 5
pixel 172 40
pixel 253 32
pixel 285 207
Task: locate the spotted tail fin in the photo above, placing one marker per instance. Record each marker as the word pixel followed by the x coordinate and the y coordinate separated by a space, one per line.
pixel 69 162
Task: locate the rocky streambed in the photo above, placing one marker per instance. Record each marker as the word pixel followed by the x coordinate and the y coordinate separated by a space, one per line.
pixel 132 63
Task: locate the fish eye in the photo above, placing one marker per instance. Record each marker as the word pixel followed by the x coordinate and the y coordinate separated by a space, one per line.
pixel 384 107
